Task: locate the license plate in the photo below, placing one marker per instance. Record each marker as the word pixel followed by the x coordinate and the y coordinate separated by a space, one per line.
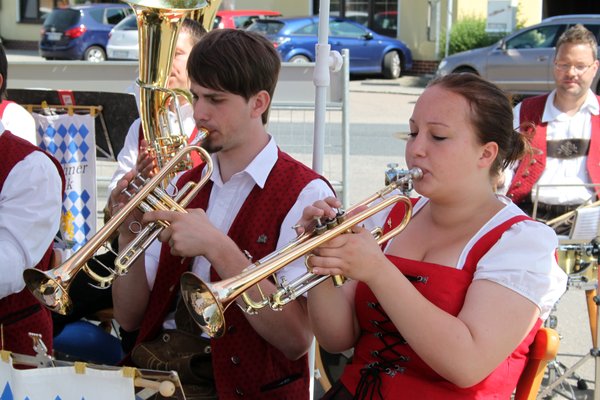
pixel 54 36
pixel 121 54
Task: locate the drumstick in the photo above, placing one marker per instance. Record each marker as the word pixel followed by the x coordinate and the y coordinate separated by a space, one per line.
pixel 165 388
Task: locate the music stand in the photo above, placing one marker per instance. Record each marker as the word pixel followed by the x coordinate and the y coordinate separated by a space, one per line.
pixel 119 110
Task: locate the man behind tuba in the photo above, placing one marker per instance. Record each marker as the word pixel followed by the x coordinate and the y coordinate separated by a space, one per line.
pixel 86 299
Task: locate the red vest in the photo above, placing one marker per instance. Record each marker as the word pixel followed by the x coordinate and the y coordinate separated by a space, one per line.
pixel 3 105
pixel 243 362
pixel 403 374
pixel 21 313
pixel 531 168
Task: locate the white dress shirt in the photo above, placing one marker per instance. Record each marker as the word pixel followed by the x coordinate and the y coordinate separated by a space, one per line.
pixel 127 157
pixel 30 206
pixel 558 171
pixel 19 122
pixel 226 199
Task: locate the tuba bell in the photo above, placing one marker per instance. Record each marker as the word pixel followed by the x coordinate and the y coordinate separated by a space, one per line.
pixel 159 23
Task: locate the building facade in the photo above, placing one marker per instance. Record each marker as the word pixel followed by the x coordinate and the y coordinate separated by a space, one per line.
pixel 420 24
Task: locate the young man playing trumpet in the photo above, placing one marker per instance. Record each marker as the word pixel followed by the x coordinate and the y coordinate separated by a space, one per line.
pixel 248 207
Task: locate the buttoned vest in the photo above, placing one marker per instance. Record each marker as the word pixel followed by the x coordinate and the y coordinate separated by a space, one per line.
pixel 243 362
pixel 530 168
pixel 21 313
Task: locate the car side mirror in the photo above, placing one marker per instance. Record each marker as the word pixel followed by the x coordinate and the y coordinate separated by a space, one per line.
pixel 368 36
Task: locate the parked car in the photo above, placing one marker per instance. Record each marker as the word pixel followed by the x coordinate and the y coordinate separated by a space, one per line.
pixel 80 32
pixel 370 52
pixel 123 40
pixel 521 63
pixel 241 19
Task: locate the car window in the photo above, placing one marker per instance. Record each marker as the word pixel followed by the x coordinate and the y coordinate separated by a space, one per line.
pixel 127 24
pixel 541 37
pixel 266 27
pixel 115 15
pixel 595 29
pixel 62 19
pixel 341 28
pixel 310 29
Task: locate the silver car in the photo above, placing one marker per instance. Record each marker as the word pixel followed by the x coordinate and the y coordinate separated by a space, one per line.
pixel 522 63
pixel 123 40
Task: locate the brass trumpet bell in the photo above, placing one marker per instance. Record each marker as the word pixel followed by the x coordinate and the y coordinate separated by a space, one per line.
pixel 207 302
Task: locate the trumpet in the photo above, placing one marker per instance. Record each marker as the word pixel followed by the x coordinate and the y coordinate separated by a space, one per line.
pixel 207 302
pixel 51 288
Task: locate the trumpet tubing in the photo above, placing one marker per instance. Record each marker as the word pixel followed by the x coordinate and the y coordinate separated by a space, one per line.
pixel 207 302
pixel 51 287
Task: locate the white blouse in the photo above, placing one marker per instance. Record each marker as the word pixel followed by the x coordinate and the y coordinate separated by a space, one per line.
pixel 523 259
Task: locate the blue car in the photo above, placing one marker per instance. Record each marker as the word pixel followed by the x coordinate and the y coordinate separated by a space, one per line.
pixel 80 32
pixel 370 52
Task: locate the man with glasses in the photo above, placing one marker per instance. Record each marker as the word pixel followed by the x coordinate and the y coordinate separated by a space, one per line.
pixel 565 129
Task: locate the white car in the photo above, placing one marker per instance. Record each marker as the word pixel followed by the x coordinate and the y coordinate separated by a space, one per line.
pixel 123 40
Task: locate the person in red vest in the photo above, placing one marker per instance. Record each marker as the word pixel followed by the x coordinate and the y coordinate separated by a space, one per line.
pixel 450 306
pixel 14 117
pixel 247 209
pixel 565 125
pixel 31 193
pixel 191 32
pixel 88 300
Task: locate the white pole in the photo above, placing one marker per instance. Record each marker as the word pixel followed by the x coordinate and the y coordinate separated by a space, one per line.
pixel 448 27
pixel 321 81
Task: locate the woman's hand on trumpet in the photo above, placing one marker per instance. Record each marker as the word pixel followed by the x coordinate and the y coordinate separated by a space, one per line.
pixel 348 254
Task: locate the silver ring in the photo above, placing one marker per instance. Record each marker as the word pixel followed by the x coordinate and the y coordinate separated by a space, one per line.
pixel 135 227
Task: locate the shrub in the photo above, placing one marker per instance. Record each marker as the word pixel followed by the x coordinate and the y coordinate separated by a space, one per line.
pixel 469 33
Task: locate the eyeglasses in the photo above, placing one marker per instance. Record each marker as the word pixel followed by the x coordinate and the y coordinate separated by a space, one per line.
pixel 579 69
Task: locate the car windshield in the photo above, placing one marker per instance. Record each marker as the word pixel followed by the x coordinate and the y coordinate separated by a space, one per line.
pixel 62 19
pixel 128 24
pixel 266 27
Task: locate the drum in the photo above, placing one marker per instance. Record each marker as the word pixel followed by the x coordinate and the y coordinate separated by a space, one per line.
pixel 579 261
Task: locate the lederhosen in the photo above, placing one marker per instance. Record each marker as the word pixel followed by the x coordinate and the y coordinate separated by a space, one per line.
pixel 386 367
pixel 244 364
pixel 21 313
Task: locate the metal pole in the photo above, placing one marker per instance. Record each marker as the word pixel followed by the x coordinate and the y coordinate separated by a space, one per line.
pixel 321 80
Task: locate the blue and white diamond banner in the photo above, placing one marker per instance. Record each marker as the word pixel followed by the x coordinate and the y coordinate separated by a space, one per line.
pixel 63 383
pixel 71 140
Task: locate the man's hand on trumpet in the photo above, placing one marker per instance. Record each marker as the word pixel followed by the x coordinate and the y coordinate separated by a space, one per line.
pixel 188 234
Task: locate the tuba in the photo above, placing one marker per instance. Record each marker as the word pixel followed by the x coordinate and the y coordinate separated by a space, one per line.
pixel 207 302
pixel 159 22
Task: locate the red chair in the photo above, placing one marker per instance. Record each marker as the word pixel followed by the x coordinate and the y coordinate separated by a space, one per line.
pixel 542 350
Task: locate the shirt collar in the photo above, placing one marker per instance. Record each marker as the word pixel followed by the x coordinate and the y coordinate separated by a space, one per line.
pixel 552 113
pixel 258 169
pixel 1 128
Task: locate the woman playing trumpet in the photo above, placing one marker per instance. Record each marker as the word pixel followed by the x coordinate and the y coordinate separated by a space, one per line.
pixel 449 307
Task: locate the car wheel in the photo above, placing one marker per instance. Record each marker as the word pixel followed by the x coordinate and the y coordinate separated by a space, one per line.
pixel 392 66
pixel 94 54
pixel 299 59
pixel 465 69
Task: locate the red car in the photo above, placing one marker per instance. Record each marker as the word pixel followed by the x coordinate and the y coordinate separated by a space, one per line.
pixel 241 19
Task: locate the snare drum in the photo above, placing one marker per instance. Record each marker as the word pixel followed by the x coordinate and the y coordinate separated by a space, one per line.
pixel 579 260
